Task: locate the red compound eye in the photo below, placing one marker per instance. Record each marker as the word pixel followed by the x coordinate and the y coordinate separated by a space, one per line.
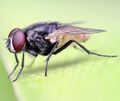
pixel 13 32
pixel 18 39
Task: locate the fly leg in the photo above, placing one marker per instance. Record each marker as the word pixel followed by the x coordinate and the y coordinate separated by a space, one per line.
pixel 93 53
pixel 84 48
pixel 47 60
pixel 63 47
pixel 15 66
pixel 22 65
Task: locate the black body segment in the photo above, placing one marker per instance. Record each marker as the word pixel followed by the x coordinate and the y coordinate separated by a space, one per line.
pixel 35 36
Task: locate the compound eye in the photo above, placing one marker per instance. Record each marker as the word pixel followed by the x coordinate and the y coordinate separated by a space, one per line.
pixel 13 32
pixel 18 40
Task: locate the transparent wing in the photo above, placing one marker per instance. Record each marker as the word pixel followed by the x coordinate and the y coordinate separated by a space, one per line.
pixel 64 30
pixel 67 29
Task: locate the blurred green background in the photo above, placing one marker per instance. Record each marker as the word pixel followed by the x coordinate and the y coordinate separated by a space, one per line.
pixel 73 75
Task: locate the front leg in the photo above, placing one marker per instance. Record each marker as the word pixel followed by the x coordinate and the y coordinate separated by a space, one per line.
pixel 47 60
pixel 15 65
pixel 22 65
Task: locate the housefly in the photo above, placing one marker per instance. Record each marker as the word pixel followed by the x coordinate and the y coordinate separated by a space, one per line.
pixel 47 39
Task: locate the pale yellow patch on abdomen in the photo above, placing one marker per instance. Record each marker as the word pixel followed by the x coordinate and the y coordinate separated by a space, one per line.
pixel 79 38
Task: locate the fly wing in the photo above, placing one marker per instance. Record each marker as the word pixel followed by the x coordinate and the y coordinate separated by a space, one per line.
pixel 77 30
pixel 64 30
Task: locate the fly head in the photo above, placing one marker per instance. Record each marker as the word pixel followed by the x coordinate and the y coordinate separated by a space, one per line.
pixel 16 40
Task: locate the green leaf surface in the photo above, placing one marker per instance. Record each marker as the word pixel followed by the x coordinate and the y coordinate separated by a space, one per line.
pixel 6 89
pixel 72 75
